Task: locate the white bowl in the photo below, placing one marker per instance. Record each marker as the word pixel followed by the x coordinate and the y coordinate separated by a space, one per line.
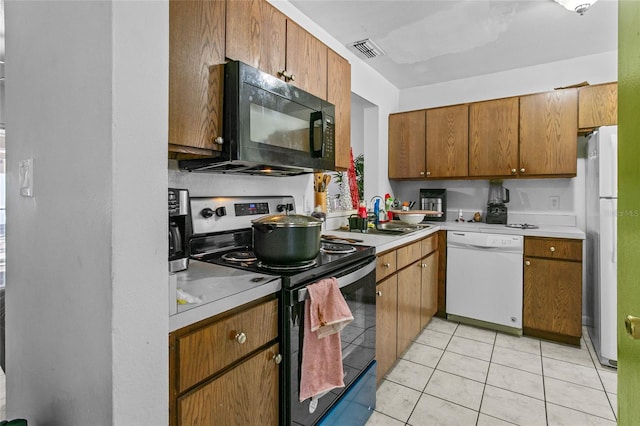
pixel 411 218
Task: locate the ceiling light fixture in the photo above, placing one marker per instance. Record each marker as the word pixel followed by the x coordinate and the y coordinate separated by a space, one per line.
pixel 580 6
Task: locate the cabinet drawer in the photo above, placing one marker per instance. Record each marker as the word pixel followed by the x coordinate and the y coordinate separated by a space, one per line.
pixel 244 395
pixel 429 244
pixel 385 265
pixel 210 349
pixel 408 254
pixel 553 248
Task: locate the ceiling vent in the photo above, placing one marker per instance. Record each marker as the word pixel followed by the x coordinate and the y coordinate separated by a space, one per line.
pixel 368 48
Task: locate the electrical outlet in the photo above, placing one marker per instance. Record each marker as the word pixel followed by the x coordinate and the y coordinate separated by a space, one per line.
pixel 554 202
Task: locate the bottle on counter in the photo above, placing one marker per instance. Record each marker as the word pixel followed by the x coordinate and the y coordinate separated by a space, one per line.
pixel 460 216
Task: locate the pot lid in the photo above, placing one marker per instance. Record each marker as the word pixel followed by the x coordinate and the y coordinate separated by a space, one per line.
pixel 288 220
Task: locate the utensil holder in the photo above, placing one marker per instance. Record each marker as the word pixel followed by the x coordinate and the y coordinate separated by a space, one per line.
pixel 320 199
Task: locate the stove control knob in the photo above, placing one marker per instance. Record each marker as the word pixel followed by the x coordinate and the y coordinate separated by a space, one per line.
pixel 221 211
pixel 207 213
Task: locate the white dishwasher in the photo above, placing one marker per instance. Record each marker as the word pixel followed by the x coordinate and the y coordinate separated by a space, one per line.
pixel 484 279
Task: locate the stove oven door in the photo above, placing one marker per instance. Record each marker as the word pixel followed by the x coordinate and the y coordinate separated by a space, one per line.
pixel 357 284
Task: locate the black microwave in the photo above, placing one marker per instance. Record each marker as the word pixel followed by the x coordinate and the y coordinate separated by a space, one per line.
pixel 270 127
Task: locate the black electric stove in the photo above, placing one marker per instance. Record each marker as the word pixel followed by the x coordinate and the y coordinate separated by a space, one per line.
pixel 234 249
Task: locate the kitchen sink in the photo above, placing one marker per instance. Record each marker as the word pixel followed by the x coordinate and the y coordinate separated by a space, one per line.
pixel 397 228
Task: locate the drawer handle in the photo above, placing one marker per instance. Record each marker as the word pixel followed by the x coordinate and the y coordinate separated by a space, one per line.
pixel 552 249
pixel 277 358
pixel 387 265
pixel 527 262
pixel 240 338
pixel 379 293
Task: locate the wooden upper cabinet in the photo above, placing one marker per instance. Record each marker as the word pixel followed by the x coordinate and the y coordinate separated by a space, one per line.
pixel 597 106
pixel 493 138
pixel 407 145
pixel 447 145
pixel 306 61
pixel 548 133
pixel 196 46
pixel 339 94
pixel 256 35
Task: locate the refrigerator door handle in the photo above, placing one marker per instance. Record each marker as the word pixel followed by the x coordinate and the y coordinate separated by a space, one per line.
pixel 614 160
pixel 614 233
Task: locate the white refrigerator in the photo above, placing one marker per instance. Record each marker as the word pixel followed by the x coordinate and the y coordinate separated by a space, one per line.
pixel 601 221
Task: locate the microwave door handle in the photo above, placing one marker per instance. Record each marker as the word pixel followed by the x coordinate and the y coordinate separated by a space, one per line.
pixel 316 116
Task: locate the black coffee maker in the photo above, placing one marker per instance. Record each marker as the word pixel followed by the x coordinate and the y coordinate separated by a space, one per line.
pixel 179 229
pixel 496 208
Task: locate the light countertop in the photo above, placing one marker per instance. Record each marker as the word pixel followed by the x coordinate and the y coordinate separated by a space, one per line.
pixel 219 288
pixel 385 242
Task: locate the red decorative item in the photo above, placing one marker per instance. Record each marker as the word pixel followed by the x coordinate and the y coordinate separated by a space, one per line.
pixel 353 184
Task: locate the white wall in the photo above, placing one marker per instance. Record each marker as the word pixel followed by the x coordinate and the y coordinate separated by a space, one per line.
pixel 86 299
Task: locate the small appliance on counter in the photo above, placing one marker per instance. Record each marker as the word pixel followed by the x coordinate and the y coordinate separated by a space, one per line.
pixel 496 208
pixel 434 200
pixel 179 229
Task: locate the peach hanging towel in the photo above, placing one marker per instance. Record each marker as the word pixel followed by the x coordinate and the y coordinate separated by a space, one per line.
pixel 326 313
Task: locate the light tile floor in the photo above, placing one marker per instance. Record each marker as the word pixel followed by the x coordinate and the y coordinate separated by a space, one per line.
pixel 455 374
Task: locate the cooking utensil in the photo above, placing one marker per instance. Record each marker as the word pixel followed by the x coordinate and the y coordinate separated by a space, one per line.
pixel 326 180
pixel 286 239
pixel 335 237
pixel 318 177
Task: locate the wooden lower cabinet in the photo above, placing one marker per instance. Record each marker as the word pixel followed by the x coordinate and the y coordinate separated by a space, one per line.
pixel 407 298
pixel 409 290
pixel 552 306
pixel 224 370
pixel 245 395
pixel 429 288
pixel 386 324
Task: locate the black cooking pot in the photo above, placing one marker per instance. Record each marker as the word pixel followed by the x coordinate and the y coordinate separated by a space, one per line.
pixel 285 239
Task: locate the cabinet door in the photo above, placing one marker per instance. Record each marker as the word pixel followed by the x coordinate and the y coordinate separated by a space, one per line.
pixel 553 298
pixel 386 324
pixel 429 289
pixel 548 133
pixel 306 60
pixel 196 45
pixel 339 94
pixel 597 106
pixel 493 138
pixel 245 395
pixel 407 145
pixel 256 35
pixel 409 286
pixel 448 141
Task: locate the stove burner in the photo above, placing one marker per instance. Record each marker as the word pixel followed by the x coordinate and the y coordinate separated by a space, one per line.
pixel 337 249
pixel 239 256
pixel 294 267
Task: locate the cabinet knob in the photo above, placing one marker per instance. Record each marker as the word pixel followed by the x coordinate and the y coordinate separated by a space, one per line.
pixel 218 140
pixel 423 265
pixel 287 77
pixel 632 324
pixel 421 173
pixel 527 262
pixel 277 358
pixel 522 170
pixel 428 173
pixel 240 338
pixel 379 293
pixel 513 171
pixel 387 265
pixel 552 249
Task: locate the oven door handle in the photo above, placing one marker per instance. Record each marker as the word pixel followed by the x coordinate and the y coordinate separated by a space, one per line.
pixel 345 280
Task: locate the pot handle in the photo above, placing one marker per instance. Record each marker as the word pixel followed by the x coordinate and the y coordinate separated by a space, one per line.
pixel 264 227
